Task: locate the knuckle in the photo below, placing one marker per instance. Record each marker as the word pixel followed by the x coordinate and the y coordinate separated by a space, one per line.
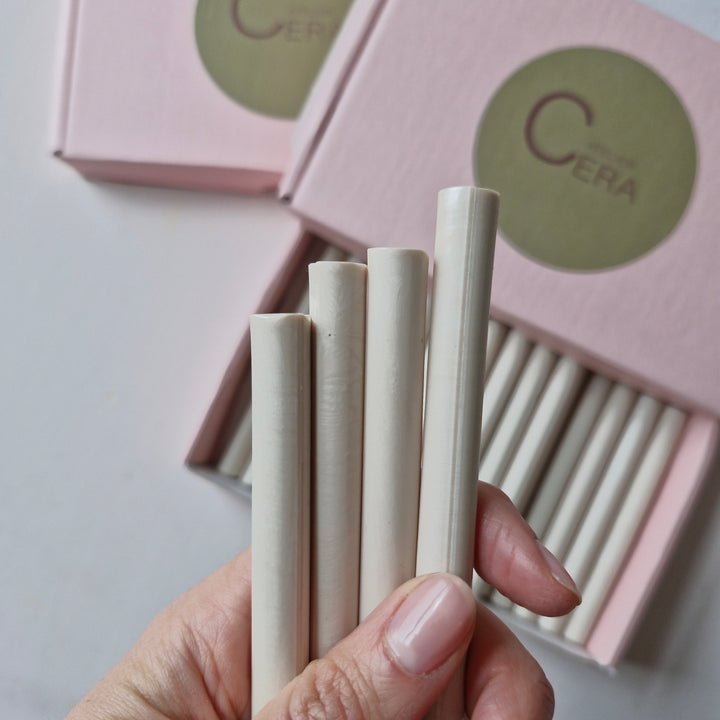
pixel 330 689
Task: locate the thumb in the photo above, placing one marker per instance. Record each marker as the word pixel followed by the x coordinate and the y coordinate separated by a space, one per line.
pixel 393 665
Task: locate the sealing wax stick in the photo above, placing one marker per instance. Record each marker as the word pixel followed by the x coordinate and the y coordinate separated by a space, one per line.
pixel 554 481
pixel 516 416
pixel 337 310
pixel 329 254
pixel 394 371
pixel 646 481
pixel 246 477
pixel 615 480
pixel 462 273
pixel 548 418
pixel 280 347
pixel 501 381
pixel 590 466
pixel 496 336
pixel 236 458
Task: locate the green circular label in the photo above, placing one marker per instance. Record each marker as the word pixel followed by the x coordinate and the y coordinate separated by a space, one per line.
pixel 265 54
pixel 593 155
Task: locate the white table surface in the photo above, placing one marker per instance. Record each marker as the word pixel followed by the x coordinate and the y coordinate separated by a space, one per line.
pixel 119 314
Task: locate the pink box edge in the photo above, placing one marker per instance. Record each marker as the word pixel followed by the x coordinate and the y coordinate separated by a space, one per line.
pixel 215 178
pixel 655 540
pixel 209 437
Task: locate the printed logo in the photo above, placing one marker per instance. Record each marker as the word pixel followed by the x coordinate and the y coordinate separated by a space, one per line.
pixel 265 54
pixel 593 155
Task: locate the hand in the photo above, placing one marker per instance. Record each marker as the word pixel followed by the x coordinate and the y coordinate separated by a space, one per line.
pixel 193 660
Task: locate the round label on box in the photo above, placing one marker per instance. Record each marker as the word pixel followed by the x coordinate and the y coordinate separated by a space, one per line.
pixel 265 54
pixel 593 155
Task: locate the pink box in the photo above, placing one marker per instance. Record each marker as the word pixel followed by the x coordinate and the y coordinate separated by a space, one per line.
pixel 151 92
pixel 597 121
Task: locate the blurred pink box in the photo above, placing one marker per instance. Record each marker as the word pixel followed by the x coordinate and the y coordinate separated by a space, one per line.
pixel 194 93
pixel 607 247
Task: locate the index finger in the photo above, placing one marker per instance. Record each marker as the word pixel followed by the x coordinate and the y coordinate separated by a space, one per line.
pixel 509 556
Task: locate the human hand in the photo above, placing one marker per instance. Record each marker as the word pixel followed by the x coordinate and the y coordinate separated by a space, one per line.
pixel 193 660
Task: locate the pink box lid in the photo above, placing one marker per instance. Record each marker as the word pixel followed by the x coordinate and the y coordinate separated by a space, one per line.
pixel 393 119
pixel 136 102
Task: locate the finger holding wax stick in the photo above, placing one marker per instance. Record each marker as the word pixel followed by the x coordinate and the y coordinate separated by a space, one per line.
pixel 280 349
pixel 337 310
pixel 462 274
pixel 394 369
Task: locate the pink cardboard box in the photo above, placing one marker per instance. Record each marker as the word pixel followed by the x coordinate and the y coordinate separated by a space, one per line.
pixel 597 121
pixel 193 93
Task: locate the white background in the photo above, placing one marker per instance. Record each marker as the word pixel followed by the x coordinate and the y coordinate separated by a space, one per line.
pixel 120 310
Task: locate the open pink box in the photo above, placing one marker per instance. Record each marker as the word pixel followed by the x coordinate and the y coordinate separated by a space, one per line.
pixel 194 93
pixel 418 97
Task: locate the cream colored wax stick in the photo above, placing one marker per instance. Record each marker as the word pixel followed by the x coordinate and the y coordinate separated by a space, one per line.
pixel 615 480
pixel 548 417
pixel 394 370
pixel 337 310
pixel 235 460
pixel 501 381
pixel 462 273
pixel 329 254
pixel 516 415
pixel 496 336
pixel 280 347
pixel 554 481
pixel 645 482
pixel 586 474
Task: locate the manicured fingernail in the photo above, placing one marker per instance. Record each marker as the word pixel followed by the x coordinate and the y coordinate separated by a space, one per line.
pixel 558 572
pixel 433 621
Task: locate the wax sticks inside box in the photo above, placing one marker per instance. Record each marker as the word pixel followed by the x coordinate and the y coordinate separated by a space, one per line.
pixel 585 466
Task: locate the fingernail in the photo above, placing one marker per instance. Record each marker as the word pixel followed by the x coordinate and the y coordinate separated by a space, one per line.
pixel 431 624
pixel 558 572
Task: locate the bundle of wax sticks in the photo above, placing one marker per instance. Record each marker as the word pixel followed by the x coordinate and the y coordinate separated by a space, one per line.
pixel 580 456
pixel 353 491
